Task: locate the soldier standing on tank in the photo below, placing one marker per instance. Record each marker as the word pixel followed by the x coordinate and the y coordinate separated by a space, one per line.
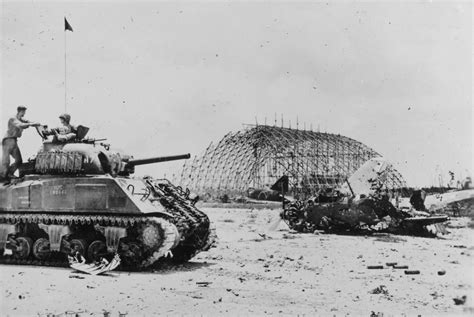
pixel 16 125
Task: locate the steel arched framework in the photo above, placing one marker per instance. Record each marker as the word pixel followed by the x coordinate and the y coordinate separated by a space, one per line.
pixel 259 155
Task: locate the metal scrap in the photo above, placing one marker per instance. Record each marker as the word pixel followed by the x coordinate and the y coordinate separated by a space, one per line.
pixel 78 263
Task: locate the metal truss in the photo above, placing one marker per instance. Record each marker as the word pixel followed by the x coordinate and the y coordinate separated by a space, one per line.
pixel 256 157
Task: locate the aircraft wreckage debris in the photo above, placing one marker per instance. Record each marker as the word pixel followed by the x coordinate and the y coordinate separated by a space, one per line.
pixel 360 206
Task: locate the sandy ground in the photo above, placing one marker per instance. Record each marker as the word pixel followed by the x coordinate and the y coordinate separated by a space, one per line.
pixel 257 271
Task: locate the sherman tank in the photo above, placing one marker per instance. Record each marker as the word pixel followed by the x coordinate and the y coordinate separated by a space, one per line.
pixel 80 197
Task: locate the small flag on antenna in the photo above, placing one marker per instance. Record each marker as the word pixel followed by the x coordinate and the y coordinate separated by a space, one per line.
pixel 67 26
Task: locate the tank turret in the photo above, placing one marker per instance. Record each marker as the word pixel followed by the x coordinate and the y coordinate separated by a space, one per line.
pixel 86 156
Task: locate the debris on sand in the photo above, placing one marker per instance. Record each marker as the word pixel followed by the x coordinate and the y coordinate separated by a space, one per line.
pixel 412 272
pixel 382 289
pixel 402 267
pixel 79 264
pixel 203 284
pixel 77 276
pixel 460 300
pixel 390 238
pixel 441 272
pixel 287 236
pixel 375 267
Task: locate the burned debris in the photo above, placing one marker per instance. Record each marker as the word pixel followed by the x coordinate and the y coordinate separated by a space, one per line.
pixel 362 205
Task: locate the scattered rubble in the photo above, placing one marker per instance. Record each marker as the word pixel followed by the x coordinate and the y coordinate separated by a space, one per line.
pixel 460 300
pixel 382 289
pixel 375 267
pixel 78 263
pixel 400 267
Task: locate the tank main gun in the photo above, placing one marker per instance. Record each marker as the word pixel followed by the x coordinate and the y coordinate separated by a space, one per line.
pixel 129 167
pixel 157 159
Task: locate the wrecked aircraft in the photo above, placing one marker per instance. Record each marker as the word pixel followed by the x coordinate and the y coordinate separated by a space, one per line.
pixel 362 205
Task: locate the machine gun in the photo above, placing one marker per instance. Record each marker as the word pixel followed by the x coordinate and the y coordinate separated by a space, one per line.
pixel 92 141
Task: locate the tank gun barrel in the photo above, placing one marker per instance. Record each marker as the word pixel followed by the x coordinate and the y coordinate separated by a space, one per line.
pixel 157 159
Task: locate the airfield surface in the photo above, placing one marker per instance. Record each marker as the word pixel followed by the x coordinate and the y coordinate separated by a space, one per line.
pixel 260 268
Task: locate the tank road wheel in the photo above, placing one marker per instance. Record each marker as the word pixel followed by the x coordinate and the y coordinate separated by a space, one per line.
pixel 78 245
pixel 96 250
pixel 23 248
pixel 152 236
pixel 41 249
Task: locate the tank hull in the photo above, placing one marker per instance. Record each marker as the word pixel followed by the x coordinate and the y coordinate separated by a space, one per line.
pixel 44 218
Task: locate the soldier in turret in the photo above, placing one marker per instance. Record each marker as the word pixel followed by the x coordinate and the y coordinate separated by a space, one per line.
pixel 64 133
pixel 16 125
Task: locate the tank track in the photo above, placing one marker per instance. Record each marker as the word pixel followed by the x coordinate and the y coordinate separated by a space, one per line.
pixel 59 259
pixel 194 225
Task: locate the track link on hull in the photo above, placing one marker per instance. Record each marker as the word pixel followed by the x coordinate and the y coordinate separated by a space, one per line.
pixel 197 234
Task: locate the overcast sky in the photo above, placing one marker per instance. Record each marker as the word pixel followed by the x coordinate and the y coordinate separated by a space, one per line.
pixel 168 78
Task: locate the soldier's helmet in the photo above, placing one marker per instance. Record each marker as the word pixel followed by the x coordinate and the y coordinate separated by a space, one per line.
pixel 66 117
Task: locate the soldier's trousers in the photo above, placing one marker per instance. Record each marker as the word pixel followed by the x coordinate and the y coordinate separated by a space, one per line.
pixel 10 147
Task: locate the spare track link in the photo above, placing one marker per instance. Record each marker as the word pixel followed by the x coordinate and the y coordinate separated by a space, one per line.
pixel 199 237
pixel 61 219
pixel 174 200
pixel 179 195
